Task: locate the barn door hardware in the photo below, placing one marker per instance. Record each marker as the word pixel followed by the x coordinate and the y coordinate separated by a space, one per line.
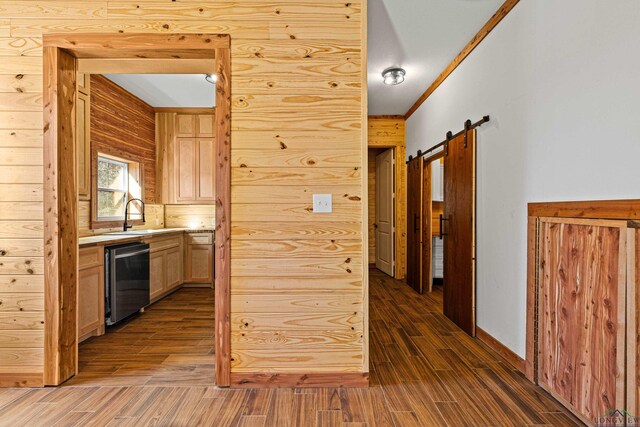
pixel 446 143
pixel 442 220
pixel 467 127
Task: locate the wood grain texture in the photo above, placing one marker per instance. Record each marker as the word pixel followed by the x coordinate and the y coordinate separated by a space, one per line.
pixel 299 52
pixel 459 222
pixel 222 268
pixel 431 375
pixel 60 224
pixel 123 125
pixel 415 184
pixel 501 13
pixel 513 359
pixel 581 333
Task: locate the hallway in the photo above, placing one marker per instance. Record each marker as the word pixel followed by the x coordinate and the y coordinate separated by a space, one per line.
pixel 424 372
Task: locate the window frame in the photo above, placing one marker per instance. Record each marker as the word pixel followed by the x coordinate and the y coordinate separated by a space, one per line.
pixel 135 168
pixel 108 159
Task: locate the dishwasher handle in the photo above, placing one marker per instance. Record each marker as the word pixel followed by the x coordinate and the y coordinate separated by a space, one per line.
pixel 130 254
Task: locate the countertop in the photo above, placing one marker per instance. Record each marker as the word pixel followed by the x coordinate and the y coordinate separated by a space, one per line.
pixel 135 235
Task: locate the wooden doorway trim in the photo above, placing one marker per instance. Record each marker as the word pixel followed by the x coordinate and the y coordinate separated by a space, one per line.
pixel 60 60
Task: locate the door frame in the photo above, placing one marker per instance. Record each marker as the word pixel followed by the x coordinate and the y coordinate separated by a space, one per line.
pixel 427 225
pixel 400 189
pixel 60 66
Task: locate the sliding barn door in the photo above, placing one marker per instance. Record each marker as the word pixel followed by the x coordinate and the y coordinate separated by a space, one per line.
pixel 414 223
pixel 427 229
pixel 458 223
pixel 385 238
pixel 581 314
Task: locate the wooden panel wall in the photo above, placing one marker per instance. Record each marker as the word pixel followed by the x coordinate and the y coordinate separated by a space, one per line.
pixel 297 129
pixel 190 216
pixel 124 125
pixel 388 132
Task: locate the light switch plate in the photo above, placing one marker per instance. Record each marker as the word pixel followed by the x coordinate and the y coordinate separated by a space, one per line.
pixel 322 203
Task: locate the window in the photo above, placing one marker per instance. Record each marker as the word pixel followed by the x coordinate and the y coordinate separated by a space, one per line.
pixel 113 188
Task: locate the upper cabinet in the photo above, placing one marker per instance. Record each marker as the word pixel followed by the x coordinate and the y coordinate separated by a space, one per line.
pixel 83 143
pixel 186 143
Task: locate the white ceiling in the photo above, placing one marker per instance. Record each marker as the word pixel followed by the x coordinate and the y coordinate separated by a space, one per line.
pixel 168 90
pixel 421 36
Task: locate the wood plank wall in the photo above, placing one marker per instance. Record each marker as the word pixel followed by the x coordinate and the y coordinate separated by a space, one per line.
pixel 123 125
pixel 387 132
pixel 297 117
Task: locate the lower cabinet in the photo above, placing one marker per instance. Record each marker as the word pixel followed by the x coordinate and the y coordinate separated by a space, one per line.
pixel 165 265
pixel 587 316
pixel 199 258
pixel 90 293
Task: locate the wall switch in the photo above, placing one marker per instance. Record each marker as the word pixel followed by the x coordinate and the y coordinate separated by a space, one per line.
pixel 322 203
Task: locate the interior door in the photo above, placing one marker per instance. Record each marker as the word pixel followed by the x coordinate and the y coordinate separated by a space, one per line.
pixel 427 229
pixel 384 212
pixel 414 223
pixel 458 224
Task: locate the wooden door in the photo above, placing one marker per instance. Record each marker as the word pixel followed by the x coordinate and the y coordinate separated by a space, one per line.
pixel 414 223
pixel 174 259
pixel 205 170
pixel 384 212
pixel 581 314
pixel 205 125
pixel 427 229
pixel 186 169
pixel 186 126
pixel 157 274
pixel 83 147
pixel 459 231
pixel 90 299
pixel 199 263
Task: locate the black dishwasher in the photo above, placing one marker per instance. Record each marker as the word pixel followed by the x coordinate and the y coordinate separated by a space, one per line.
pixel 126 280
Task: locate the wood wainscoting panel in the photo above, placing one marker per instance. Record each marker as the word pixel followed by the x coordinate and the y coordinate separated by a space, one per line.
pixel 581 314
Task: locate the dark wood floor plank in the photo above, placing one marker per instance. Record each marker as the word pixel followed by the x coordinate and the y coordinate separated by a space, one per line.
pixel 158 370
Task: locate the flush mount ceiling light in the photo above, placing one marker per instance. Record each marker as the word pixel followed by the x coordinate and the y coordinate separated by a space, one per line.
pixel 393 76
pixel 211 78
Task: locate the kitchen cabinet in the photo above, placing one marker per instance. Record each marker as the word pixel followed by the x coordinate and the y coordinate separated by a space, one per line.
pixel 199 258
pixel 83 142
pixel 90 292
pixel 165 265
pixel 187 164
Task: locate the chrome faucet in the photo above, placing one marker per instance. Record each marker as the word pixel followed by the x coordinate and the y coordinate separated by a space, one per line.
pixel 126 213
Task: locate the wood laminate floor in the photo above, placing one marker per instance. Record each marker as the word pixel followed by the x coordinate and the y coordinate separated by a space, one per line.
pixel 158 368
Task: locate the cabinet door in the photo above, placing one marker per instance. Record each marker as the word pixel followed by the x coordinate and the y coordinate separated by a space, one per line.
pixel 83 150
pixel 185 169
pixel 199 263
pixel 157 277
pixel 174 267
pixel 581 303
pixel 205 125
pixel 186 126
pixel 205 170
pixel 90 299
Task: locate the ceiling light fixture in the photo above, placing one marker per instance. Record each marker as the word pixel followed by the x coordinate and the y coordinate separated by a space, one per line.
pixel 393 76
pixel 211 78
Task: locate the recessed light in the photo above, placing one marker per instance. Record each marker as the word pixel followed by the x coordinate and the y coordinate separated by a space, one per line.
pixel 393 76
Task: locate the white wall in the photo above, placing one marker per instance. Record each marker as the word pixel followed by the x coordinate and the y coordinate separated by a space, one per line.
pixel 561 81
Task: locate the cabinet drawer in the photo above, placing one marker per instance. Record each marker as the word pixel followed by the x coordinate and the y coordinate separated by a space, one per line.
pixel 90 257
pixel 200 239
pixel 162 243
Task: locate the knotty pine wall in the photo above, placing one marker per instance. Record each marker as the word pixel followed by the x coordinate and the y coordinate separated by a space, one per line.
pixel 298 112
